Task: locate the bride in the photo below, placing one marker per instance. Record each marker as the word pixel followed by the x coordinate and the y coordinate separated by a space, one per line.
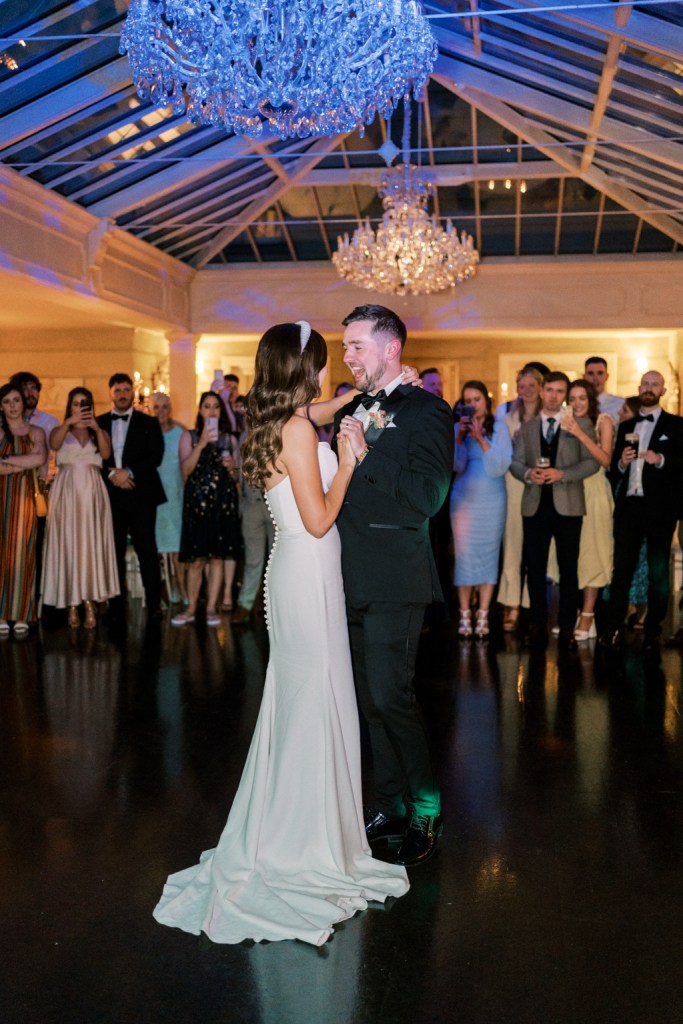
pixel 293 859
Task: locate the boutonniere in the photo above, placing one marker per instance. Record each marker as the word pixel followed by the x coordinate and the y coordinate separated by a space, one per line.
pixel 379 419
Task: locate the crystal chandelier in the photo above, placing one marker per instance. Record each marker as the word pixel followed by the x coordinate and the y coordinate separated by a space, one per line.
pixel 310 67
pixel 410 253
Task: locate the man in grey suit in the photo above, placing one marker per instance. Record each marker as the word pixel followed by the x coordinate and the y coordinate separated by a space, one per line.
pixel 553 464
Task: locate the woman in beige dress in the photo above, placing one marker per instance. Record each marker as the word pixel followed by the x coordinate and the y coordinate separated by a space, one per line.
pixel 597 545
pixel 524 407
pixel 79 566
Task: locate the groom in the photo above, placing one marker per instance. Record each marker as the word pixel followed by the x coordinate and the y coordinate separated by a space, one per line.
pixel 401 480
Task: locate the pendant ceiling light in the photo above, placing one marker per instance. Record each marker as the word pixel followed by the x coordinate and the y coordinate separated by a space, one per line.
pixel 308 67
pixel 410 253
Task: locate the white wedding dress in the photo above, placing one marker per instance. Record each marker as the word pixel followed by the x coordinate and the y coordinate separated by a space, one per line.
pixel 293 859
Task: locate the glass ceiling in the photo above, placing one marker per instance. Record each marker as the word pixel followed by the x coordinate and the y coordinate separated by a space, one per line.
pixel 547 133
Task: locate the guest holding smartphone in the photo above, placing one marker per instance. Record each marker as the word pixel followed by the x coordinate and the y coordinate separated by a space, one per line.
pixel 210 533
pixel 483 452
pixel 79 566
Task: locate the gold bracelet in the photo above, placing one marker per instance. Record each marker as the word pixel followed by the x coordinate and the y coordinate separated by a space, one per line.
pixel 362 455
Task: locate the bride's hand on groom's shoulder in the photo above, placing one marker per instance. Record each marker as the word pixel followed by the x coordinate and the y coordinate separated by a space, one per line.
pixel 411 376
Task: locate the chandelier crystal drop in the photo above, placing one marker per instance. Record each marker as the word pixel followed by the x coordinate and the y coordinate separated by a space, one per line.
pixel 410 253
pixel 309 67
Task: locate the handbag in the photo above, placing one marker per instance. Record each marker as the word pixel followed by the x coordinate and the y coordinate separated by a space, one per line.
pixel 39 495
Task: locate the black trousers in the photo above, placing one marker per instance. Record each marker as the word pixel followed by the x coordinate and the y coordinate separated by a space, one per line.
pixel 137 521
pixel 539 530
pixel 633 524
pixel 384 638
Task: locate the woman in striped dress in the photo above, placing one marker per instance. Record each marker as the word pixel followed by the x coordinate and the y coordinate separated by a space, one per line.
pixel 22 448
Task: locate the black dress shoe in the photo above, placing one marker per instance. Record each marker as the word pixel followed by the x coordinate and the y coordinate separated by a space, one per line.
pixel 536 637
pixel 566 640
pixel 380 829
pixel 419 843
pixel 611 639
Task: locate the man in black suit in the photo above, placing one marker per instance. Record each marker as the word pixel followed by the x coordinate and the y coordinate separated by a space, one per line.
pixel 401 480
pixel 134 488
pixel 646 479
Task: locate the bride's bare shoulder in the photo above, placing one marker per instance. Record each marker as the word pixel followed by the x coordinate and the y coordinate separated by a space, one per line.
pixel 298 430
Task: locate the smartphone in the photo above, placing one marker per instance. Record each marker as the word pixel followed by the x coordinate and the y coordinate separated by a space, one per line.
pixel 212 424
pixel 467 412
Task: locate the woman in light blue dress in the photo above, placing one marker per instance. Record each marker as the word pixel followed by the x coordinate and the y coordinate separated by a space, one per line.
pixel 483 452
pixel 170 513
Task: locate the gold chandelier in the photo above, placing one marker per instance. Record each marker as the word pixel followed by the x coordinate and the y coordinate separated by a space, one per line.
pixel 411 253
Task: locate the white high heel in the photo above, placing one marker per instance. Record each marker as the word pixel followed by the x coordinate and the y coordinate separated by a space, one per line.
pixel 481 630
pixel 586 634
pixel 465 624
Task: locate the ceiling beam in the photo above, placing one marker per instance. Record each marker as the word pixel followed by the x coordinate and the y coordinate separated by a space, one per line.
pixel 319 150
pixel 169 177
pixel 609 70
pixel 456 75
pixel 641 30
pixel 77 95
pixel 443 175
pixel 545 143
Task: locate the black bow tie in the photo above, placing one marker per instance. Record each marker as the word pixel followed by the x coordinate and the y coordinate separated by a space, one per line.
pixel 369 400
pixel 647 416
pixel 120 416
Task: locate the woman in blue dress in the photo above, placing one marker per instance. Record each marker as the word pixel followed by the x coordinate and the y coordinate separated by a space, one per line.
pixel 483 452
pixel 170 514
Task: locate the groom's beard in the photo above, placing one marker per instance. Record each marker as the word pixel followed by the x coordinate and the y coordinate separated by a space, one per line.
pixel 371 383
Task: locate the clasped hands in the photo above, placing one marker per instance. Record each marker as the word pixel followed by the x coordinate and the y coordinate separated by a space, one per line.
pixel 350 440
pixel 122 478
pixel 545 476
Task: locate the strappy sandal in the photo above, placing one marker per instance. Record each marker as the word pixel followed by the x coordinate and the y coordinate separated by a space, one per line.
pixel 481 630
pixel 90 616
pixel 465 624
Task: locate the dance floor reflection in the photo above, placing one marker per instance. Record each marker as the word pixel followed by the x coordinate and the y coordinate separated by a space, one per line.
pixel 555 896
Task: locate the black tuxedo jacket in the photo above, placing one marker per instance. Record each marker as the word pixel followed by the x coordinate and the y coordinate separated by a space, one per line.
pixel 399 485
pixel 661 487
pixel 142 454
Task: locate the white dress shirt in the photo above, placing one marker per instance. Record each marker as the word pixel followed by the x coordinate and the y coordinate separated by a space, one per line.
pixel 119 432
pixel 644 429
pixel 363 414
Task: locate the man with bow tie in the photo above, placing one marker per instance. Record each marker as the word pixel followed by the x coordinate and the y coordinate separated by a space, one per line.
pixel 134 489
pixel 646 479
pixel 402 479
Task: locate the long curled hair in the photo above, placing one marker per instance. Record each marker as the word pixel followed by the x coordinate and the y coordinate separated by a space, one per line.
pixel 478 385
pixel 224 426
pixel 87 394
pixel 285 379
pixel 593 410
pixel 5 390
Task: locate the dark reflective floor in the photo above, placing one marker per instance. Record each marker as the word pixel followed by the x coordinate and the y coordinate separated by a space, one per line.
pixel 556 895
